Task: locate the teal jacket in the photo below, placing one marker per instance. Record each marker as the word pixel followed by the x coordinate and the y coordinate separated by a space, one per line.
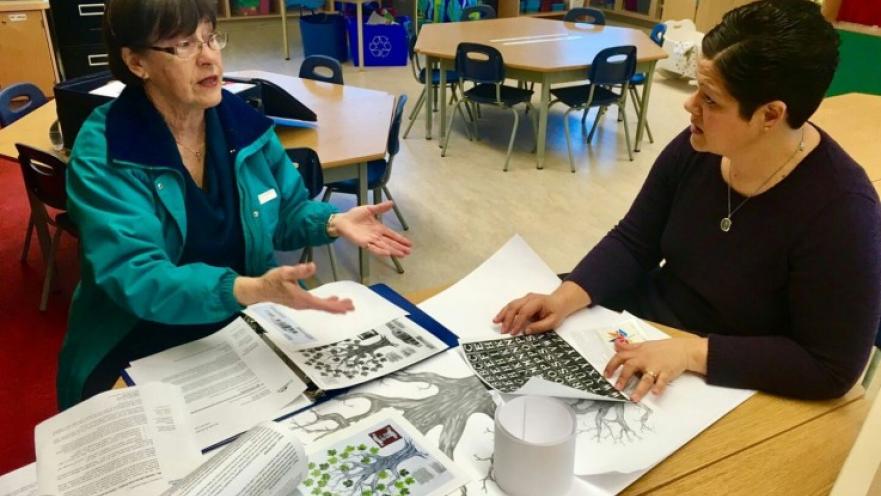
pixel 127 201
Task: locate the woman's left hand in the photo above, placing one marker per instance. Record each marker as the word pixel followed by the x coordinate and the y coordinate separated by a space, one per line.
pixel 360 226
pixel 657 363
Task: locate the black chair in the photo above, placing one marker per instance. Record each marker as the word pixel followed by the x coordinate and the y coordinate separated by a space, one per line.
pixel 484 67
pixel 611 68
pixel 585 15
pixel 378 173
pixel 44 177
pixel 308 70
pixel 478 13
pixel 309 166
pixel 26 97
pixel 419 73
pixel 639 79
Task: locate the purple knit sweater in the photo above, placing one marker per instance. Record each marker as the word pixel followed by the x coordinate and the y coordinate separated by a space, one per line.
pixel 790 297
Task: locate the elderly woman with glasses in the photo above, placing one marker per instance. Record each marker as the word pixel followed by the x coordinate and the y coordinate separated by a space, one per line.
pixel 181 193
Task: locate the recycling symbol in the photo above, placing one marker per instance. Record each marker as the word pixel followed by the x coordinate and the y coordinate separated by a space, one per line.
pixel 380 46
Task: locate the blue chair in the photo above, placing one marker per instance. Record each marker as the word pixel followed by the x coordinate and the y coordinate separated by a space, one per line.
pixel 309 166
pixel 638 79
pixel 478 13
pixel 44 177
pixel 32 98
pixel 486 72
pixel 313 62
pixel 378 173
pixel 585 15
pixel 611 68
pixel 419 73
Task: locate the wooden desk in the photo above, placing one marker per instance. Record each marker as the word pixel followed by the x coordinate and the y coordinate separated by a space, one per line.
pixel 854 121
pixel 343 139
pixel 544 51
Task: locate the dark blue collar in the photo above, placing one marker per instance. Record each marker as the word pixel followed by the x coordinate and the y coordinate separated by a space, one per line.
pixel 136 132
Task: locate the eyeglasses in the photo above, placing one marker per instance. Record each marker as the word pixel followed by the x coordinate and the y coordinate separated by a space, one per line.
pixel 188 49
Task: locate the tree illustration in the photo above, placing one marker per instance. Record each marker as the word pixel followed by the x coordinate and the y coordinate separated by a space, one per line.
pixel 455 401
pixel 612 420
pixel 350 357
pixel 359 470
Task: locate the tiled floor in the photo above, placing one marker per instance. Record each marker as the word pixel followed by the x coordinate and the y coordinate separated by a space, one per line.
pixel 463 207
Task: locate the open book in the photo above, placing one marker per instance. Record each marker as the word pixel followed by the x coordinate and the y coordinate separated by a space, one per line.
pixel 275 361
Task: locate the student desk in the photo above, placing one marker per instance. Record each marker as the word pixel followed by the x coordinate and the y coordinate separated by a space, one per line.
pixel 342 140
pixel 544 51
pixel 767 445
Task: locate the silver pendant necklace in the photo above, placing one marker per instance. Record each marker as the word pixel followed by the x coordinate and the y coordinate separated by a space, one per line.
pixel 726 222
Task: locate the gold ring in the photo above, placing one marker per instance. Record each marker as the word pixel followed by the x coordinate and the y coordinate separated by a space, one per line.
pixel 653 375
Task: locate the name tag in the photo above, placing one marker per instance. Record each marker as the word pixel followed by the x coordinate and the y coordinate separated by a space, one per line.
pixel 267 195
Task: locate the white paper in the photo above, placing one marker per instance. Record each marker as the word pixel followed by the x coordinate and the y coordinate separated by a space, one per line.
pixel 369 355
pixel 382 454
pixel 231 380
pixel 267 460
pixel 132 441
pixel 236 87
pixel 112 89
pixel 296 329
pixel 20 482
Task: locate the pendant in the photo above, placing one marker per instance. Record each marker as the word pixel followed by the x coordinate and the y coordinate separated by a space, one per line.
pixel 725 225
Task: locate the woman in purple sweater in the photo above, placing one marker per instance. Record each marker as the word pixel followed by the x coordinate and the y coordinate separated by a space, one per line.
pixel 754 229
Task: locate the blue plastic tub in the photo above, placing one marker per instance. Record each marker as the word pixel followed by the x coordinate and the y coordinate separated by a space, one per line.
pixel 324 35
pixel 384 44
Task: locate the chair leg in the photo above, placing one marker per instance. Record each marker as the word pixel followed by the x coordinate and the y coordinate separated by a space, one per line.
pixel 626 130
pixel 436 103
pixel 27 240
pixel 50 269
pixel 450 130
pixel 397 210
pixel 534 128
pixel 513 135
pixel 398 267
pixel 415 113
pixel 596 121
pixel 568 139
pixel 306 256
pixel 331 254
pixel 327 193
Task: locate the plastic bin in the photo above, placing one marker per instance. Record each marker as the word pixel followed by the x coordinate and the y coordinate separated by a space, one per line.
pixel 532 5
pixel 324 34
pixel 384 44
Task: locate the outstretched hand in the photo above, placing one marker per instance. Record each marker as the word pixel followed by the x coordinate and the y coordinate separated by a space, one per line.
pixel 282 285
pixel 361 226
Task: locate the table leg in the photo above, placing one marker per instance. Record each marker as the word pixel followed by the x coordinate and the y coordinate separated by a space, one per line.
pixel 283 8
pixel 643 111
pixel 429 96
pixel 443 102
pixel 363 254
pixel 359 8
pixel 543 122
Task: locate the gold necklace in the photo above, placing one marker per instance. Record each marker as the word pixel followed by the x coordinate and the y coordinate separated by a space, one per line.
pixel 726 223
pixel 197 153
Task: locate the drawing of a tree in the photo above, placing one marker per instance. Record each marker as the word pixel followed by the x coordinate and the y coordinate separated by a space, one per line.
pixel 613 420
pixel 363 471
pixel 456 400
pixel 350 357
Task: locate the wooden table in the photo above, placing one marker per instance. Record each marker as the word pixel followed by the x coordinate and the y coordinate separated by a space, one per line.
pixel 344 140
pixel 544 51
pixel 854 121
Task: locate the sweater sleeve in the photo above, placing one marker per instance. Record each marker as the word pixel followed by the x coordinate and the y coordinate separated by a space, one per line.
pixel 633 247
pixel 835 302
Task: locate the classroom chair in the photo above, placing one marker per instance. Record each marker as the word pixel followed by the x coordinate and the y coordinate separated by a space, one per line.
pixel 611 68
pixel 420 73
pixel 311 65
pixel 44 177
pixel 378 174
pixel 585 15
pixel 478 13
pixel 638 79
pixel 484 67
pixel 27 98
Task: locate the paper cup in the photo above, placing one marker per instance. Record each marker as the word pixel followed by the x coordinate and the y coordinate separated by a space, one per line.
pixel 534 446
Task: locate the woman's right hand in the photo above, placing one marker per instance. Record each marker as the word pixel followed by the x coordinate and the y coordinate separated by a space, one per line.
pixel 281 285
pixel 535 313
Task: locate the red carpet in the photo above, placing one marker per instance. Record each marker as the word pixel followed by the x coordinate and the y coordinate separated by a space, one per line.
pixel 29 340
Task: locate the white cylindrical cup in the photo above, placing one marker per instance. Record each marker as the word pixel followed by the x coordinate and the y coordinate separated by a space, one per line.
pixel 534 446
